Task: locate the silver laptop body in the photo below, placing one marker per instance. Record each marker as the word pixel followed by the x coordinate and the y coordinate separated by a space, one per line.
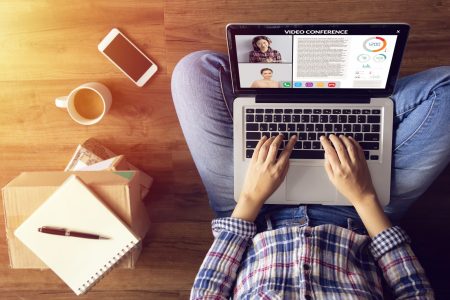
pixel 307 181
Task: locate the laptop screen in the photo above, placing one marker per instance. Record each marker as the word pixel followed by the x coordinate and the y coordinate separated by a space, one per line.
pixel 310 58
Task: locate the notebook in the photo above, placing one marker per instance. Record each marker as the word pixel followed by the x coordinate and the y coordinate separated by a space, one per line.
pixel 79 262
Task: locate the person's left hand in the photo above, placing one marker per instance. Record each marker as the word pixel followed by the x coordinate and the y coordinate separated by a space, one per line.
pixel 264 175
pixel 347 168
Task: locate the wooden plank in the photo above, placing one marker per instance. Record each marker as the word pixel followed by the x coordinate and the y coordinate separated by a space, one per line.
pixel 95 295
pixel 49 40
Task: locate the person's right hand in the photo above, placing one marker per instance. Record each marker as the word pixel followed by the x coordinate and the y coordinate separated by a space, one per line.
pixel 347 168
pixel 264 175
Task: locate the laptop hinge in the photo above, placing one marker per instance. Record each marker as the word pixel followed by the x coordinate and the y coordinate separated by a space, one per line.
pixel 312 99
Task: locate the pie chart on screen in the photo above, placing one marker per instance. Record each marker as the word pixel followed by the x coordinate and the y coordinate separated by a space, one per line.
pixel 379 57
pixel 375 44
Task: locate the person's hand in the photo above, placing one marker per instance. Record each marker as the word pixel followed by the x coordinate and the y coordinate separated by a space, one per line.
pixel 264 175
pixel 347 168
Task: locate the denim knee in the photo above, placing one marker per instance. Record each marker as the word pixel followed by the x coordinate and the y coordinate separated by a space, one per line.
pixel 440 78
pixel 197 61
pixel 442 88
pixel 194 70
pixel 442 72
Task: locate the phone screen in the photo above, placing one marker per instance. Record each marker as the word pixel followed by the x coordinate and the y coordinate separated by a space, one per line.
pixel 127 57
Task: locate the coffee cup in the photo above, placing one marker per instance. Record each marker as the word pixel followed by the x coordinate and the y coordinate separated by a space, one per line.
pixel 87 104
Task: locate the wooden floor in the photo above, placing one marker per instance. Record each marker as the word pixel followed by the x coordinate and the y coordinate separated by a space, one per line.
pixel 49 47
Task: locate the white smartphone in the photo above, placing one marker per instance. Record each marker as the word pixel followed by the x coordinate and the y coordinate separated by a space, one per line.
pixel 127 57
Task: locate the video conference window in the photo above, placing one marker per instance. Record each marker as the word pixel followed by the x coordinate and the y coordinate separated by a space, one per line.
pixel 314 61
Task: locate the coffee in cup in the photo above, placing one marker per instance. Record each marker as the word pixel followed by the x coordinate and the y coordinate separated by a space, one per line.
pixel 87 104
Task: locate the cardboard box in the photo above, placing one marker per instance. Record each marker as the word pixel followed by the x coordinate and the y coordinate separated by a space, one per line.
pixel 92 152
pixel 120 191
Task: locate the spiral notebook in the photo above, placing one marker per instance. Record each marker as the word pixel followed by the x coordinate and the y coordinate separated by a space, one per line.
pixel 79 262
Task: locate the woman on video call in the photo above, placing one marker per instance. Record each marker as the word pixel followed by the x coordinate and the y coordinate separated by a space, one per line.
pixel 267 81
pixel 262 52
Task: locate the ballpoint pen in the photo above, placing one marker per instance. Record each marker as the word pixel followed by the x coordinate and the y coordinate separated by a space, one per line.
pixel 66 232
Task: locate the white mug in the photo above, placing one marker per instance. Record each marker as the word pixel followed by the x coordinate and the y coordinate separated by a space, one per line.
pixel 83 106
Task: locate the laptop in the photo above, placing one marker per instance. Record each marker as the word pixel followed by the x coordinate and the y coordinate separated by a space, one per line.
pixel 313 80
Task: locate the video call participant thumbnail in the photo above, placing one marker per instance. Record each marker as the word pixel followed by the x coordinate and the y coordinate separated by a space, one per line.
pixel 262 52
pixel 267 81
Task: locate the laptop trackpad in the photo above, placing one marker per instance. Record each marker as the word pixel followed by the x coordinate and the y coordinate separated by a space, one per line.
pixel 309 184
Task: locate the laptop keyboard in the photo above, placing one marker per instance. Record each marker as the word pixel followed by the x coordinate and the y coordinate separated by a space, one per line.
pixel 364 125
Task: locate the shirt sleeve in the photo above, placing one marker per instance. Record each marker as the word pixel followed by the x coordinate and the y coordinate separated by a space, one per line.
pixel 218 271
pixel 401 268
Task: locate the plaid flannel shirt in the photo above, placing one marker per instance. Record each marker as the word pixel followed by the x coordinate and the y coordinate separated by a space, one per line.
pixel 322 262
pixel 262 57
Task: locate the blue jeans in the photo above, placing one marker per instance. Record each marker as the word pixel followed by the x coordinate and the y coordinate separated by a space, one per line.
pixel 203 98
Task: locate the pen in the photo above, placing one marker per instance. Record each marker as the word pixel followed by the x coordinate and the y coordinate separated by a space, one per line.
pixel 65 232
